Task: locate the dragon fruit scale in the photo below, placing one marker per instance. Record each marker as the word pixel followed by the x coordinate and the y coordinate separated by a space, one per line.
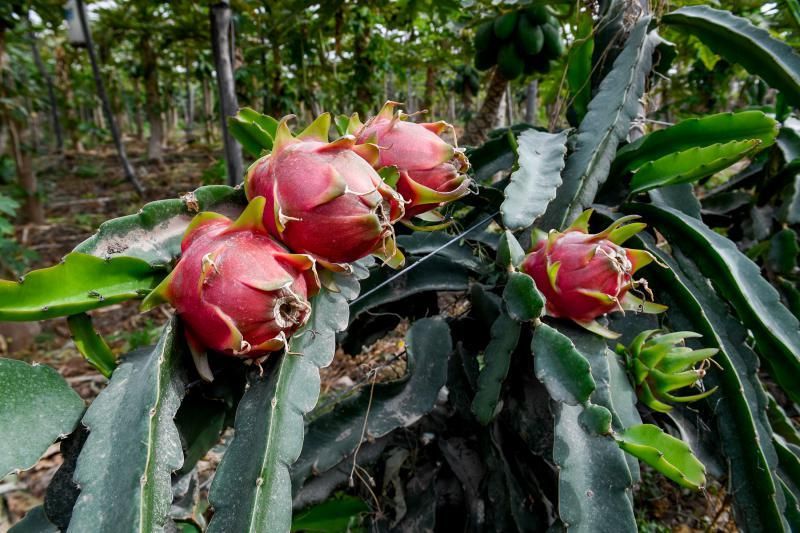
pixel 584 276
pixel 325 199
pixel 431 171
pixel 236 289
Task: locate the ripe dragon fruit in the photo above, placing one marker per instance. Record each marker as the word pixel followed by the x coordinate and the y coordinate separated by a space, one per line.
pixel 583 276
pixel 236 290
pixel 431 171
pixel 659 364
pixel 324 198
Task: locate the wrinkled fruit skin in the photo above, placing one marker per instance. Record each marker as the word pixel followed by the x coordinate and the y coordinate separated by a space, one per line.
pixel 584 276
pixel 238 291
pixel 586 264
pixel 325 200
pixel 431 171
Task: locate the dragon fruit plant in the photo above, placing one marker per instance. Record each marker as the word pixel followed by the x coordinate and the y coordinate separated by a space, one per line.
pixel 514 409
pixel 584 276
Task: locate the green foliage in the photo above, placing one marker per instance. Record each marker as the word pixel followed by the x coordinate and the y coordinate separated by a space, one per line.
pixel 497 360
pixel 80 283
pixel 604 126
pixel 670 456
pixel 133 416
pixel 739 41
pixel 338 514
pixel 90 344
pixel 533 185
pixel 38 407
pixel 523 300
pixel 560 367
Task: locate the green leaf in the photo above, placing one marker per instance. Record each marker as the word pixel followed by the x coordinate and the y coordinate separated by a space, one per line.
pixel 533 185
pixel 690 165
pixel 509 252
pixel 253 130
pixel 422 243
pixel 593 477
pixel 579 65
pixel 790 210
pixel 739 281
pixel 435 274
pixel 154 234
pixel 670 456
pixel 497 358
pixel 252 489
pixel 523 300
pixel 36 407
pixel 80 283
pixel 34 521
pixel 200 421
pixel 781 423
pixel 8 206
pixel 783 250
pixel 90 344
pixel 133 445
pixel 739 41
pixel 604 126
pixel 740 406
pixel 698 132
pixel 495 154
pixel 563 369
pixel 334 435
pixel 338 514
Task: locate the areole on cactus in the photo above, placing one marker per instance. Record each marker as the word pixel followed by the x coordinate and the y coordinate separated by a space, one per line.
pixel 431 171
pixel 324 198
pixel 659 364
pixel 584 276
pixel 237 290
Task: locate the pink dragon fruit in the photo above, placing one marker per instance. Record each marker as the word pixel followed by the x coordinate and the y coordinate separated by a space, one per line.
pixel 324 199
pixel 583 276
pixel 431 171
pixel 236 290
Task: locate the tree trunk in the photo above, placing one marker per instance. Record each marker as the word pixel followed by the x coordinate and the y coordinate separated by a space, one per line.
pixel 208 119
pixel 222 43
pixel 189 119
pixel 277 82
pixel 410 92
pixel 22 158
pixel 509 106
pixel 430 90
pixel 51 93
pixel 138 114
pixel 127 168
pixel 530 102
pixel 34 212
pixel 486 118
pixel 152 100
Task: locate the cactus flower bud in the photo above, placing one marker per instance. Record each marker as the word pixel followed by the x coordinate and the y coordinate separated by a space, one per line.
pixel 324 199
pixel 660 364
pixel 236 289
pixel 584 276
pixel 431 171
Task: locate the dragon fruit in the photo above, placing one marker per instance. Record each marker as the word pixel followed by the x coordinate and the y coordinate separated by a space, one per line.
pixel 325 199
pixel 431 171
pixel 236 290
pixel 584 276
